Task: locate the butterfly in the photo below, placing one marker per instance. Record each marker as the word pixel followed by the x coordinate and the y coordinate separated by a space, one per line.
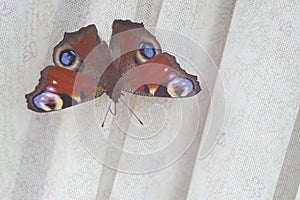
pixel 86 67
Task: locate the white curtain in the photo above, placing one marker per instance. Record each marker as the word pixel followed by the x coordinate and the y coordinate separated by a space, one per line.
pixel 255 46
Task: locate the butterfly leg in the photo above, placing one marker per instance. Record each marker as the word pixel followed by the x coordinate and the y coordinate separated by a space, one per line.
pixel 107 113
pixel 115 110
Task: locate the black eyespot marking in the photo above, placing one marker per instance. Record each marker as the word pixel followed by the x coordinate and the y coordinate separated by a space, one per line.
pixel 147 50
pixel 162 91
pixel 67 57
pixel 51 105
pixel 67 100
pixel 146 88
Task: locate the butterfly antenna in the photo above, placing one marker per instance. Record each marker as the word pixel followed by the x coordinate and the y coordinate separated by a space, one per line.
pixel 106 114
pixel 132 112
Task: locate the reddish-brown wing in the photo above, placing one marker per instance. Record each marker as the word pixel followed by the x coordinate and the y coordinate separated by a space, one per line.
pixel 74 79
pixel 144 69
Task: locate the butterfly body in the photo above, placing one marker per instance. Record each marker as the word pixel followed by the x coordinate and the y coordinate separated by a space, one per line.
pixel 86 67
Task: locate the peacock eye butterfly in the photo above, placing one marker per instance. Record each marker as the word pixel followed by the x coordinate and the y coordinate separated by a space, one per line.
pixel 133 62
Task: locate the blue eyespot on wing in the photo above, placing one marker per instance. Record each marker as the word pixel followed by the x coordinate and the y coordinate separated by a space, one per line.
pixel 147 50
pixel 67 57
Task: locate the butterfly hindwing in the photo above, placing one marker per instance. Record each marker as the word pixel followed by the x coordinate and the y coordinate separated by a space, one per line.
pixel 56 90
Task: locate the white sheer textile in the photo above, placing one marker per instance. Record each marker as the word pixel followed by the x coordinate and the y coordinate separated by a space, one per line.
pixel 254 44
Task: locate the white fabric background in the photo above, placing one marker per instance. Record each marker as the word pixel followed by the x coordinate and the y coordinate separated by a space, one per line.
pixel 255 43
